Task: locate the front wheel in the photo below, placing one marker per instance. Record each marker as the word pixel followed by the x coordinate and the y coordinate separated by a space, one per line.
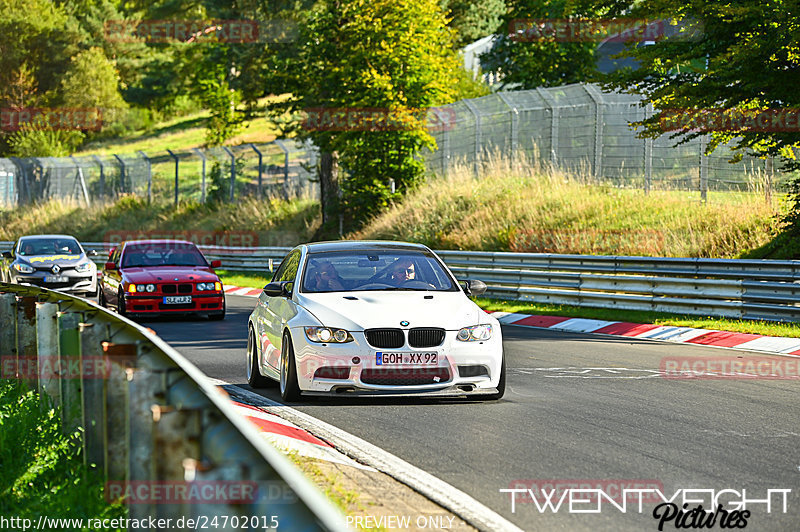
pixel 290 391
pixel 501 385
pixel 254 376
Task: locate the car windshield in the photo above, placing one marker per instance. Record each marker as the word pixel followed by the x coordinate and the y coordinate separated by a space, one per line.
pixel 351 271
pixel 48 246
pixel 162 254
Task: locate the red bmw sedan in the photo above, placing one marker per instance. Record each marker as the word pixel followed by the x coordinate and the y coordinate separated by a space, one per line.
pixel 148 277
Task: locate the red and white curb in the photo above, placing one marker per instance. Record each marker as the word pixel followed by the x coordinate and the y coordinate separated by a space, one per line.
pixel 287 436
pixel 667 333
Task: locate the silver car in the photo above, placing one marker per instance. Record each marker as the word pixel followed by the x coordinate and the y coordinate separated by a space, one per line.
pixel 58 262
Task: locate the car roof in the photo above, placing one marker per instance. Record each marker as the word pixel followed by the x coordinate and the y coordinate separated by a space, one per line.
pixel 42 237
pixel 356 245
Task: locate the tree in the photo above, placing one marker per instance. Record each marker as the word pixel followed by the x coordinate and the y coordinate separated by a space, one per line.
pixel 365 61
pixel 524 62
pixel 738 56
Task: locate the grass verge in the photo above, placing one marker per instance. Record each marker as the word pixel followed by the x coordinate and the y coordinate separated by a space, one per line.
pixel 767 328
pixel 42 470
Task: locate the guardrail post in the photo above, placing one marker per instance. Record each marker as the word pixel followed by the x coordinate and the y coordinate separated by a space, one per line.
pixel 93 371
pixel 7 316
pixel 119 358
pixel 26 340
pixel 176 437
pixel 47 346
pixel 69 341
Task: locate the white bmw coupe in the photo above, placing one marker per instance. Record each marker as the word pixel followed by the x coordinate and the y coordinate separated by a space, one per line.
pixel 372 318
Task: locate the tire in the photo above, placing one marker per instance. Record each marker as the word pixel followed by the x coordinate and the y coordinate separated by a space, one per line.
pixel 501 385
pixel 218 316
pixel 290 391
pixel 121 304
pixel 254 377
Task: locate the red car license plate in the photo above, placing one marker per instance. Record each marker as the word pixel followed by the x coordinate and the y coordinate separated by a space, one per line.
pixel 177 300
pixel 383 358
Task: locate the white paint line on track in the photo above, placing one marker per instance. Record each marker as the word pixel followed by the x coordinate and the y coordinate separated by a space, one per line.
pixel 435 489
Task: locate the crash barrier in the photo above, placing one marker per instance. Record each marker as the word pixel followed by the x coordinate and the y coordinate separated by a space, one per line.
pixel 150 422
pixel 734 288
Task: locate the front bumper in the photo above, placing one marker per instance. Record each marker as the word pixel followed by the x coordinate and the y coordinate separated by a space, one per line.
pixel 72 282
pixel 154 304
pixel 462 367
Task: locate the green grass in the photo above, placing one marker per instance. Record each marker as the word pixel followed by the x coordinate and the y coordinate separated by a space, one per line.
pixel 42 471
pixel 246 279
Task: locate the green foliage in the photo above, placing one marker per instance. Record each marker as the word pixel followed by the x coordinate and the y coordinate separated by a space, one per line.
pixel 43 470
pixel 474 19
pixel 214 92
pixel 544 63
pixel 741 55
pixel 393 55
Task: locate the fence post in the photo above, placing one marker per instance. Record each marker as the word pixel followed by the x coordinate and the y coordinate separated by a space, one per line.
pixel 102 176
pixel 175 158
pixel 648 155
pixel 203 181
pixel 551 103
pixel 149 177
pixel 121 173
pixel 597 98
pixel 703 170
pixel 233 173
pixel 514 112
pixel 260 167
pixel 285 151
pixel 478 140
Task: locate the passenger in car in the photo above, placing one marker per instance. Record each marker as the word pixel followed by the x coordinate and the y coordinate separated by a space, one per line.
pixel 325 278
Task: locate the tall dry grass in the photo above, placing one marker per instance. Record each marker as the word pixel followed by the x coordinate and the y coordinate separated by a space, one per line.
pixel 518 205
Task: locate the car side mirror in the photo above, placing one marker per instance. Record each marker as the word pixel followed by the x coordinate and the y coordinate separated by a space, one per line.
pixel 474 287
pixel 279 289
pixel 216 263
pixel 7 255
pixel 111 266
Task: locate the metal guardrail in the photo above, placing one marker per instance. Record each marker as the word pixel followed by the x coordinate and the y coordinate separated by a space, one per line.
pixel 734 288
pixel 149 418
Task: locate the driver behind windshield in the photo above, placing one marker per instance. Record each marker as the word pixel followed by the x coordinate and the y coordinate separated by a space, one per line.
pixel 402 270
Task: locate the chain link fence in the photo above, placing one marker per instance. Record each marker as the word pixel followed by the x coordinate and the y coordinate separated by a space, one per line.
pixel 579 128
pixel 283 168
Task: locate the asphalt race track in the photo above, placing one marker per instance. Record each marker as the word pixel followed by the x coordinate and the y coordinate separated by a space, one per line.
pixel 577 407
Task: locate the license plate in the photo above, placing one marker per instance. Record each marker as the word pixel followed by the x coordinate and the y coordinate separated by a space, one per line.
pixel 55 279
pixel 177 300
pixel 383 358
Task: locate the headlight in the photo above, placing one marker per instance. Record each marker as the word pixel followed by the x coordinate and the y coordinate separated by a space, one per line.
pixel 23 268
pixel 326 335
pixel 475 333
pixel 85 267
